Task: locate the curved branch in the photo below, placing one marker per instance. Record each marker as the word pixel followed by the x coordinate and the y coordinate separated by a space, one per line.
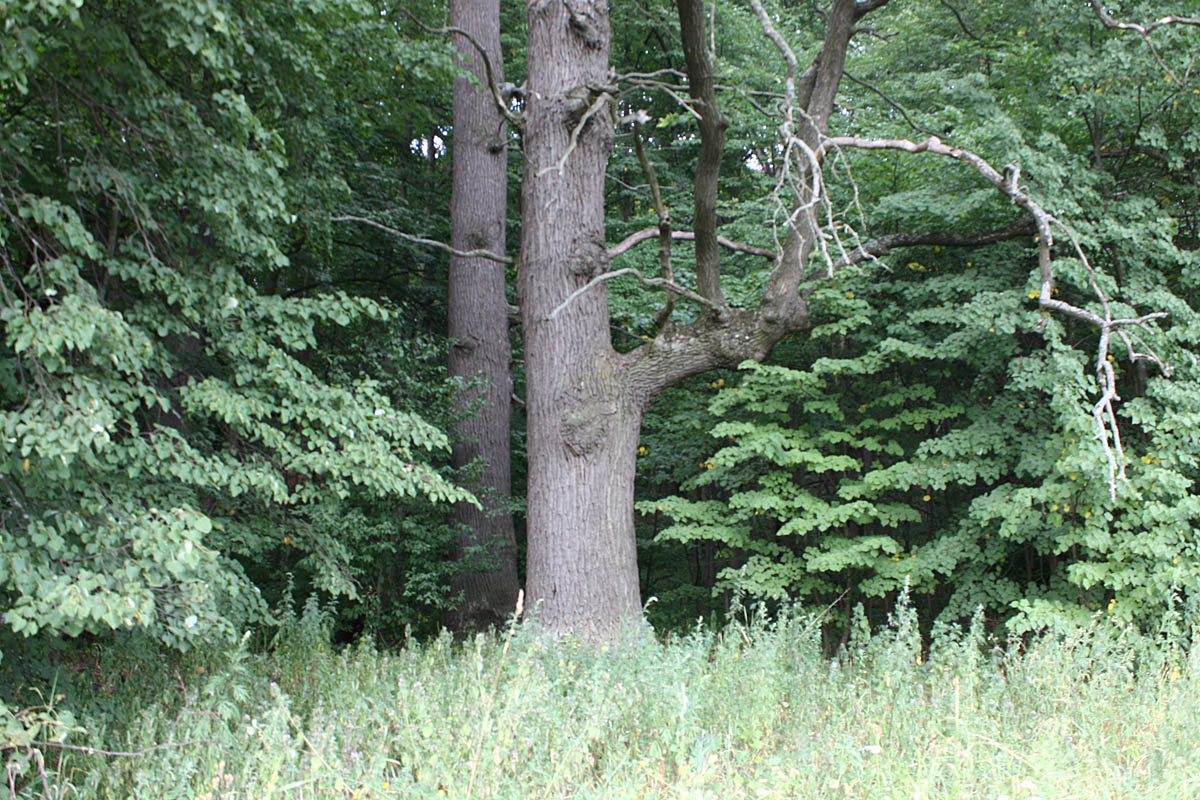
pixel 891 103
pixel 408 237
pixel 883 245
pixel 1045 223
pixel 1144 31
pixel 961 23
pixel 634 239
pixel 668 285
pixel 489 71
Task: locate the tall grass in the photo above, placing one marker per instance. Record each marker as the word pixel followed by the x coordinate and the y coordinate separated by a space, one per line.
pixel 752 711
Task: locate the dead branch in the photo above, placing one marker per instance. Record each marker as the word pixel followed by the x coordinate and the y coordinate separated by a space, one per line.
pixel 601 101
pixel 408 237
pixel 96 751
pixel 664 223
pixel 668 285
pixel 1144 31
pixel 883 245
pixel 1045 223
pixel 634 239
pixel 489 70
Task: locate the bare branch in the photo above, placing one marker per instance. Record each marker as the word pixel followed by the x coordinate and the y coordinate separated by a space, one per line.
pixel 961 23
pixel 1144 31
pixel 883 245
pixel 864 7
pixel 1109 22
pixel 600 102
pixel 891 103
pixel 489 70
pixel 634 239
pixel 671 90
pixel 408 237
pixel 668 285
pixel 119 753
pixel 1045 223
pixel 664 224
pixel 699 60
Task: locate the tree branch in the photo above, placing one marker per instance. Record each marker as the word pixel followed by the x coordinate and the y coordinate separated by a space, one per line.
pixel 664 224
pixel 961 23
pixel 701 87
pixel 1045 223
pixel 864 7
pixel 1144 31
pixel 668 285
pixel 883 245
pixel 493 87
pixel 891 103
pixel 408 237
pixel 634 239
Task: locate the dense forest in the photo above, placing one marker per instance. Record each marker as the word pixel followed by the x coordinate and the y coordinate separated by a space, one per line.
pixel 651 307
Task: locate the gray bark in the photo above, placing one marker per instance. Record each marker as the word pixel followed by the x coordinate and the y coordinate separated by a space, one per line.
pixel 585 402
pixel 478 313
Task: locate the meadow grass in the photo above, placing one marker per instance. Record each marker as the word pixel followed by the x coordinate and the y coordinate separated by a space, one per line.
pixel 752 711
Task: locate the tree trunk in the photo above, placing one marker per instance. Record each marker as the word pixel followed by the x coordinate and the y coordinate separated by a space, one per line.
pixel 583 423
pixel 584 401
pixel 478 311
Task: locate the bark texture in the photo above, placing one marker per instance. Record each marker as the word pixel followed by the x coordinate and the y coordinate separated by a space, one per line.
pixel 585 402
pixel 583 421
pixel 478 314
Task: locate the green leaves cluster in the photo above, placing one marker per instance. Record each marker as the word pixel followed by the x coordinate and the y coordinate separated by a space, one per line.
pixel 167 421
pixel 934 427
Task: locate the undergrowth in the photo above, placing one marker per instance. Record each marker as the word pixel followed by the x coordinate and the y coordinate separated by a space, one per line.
pixel 753 710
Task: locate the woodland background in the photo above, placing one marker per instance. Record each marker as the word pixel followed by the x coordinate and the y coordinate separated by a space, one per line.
pixel 215 398
pixel 227 417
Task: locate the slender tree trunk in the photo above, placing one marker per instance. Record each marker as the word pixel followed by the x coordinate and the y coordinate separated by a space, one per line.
pixel 478 312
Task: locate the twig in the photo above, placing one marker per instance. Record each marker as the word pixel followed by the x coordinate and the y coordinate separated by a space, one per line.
pixel 408 237
pixel 962 24
pixel 891 103
pixel 601 99
pixel 634 239
pixel 96 751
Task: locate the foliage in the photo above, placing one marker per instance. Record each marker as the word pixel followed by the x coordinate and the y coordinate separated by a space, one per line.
pixel 167 424
pixel 935 428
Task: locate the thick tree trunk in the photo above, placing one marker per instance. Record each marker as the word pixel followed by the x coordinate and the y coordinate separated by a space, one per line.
pixel 478 314
pixel 585 402
pixel 583 422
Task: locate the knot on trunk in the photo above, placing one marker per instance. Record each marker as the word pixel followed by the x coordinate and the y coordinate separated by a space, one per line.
pixel 585 23
pixel 586 421
pixel 588 257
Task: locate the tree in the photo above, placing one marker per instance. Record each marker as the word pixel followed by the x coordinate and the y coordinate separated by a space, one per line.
pixel 480 352
pixel 168 425
pixel 585 399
